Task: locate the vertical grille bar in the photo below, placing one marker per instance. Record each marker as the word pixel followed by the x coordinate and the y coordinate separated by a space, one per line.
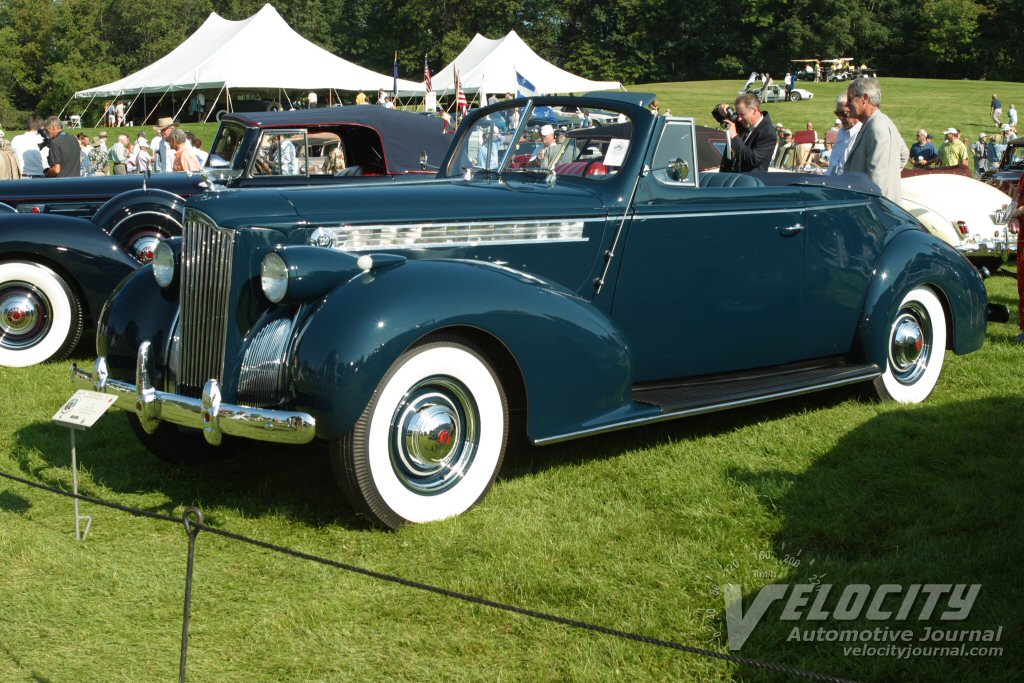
pixel 205 287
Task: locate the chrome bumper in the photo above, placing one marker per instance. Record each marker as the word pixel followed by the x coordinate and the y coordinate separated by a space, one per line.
pixel 984 248
pixel 208 414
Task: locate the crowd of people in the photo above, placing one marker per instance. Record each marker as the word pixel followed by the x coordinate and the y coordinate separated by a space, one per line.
pixel 46 150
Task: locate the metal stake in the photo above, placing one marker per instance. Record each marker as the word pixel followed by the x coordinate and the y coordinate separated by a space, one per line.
pixel 192 518
pixel 79 534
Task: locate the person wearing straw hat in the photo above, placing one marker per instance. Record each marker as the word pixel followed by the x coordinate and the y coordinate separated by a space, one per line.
pixel 163 155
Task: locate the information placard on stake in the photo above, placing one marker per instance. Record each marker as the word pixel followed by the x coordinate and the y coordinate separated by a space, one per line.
pixel 81 412
pixel 83 409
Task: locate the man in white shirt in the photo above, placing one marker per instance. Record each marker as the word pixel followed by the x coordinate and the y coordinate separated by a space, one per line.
pixel 163 154
pixel 850 128
pixel 31 159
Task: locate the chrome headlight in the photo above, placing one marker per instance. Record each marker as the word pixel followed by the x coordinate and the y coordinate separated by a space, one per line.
pixel 274 277
pixel 163 264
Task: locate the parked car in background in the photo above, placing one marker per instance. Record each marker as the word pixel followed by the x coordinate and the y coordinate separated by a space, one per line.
pixel 777 93
pixel 73 239
pixel 406 326
pixel 1011 166
pixel 967 214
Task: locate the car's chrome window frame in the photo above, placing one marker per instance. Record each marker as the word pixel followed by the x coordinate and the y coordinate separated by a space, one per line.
pixel 659 165
pixel 264 132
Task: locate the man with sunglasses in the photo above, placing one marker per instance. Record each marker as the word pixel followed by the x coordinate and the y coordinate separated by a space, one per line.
pixel 847 134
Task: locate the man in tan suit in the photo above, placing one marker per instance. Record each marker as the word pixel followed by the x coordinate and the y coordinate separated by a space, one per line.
pixel 879 150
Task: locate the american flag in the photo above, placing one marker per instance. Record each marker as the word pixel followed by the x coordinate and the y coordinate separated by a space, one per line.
pixel 426 74
pixel 460 96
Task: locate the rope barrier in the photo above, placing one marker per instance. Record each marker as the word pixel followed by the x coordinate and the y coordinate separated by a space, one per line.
pixel 193 521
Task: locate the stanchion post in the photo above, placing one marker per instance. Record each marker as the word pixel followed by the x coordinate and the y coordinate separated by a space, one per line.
pixel 192 518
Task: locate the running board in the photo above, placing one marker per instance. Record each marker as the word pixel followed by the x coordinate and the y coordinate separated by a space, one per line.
pixel 720 392
pixel 726 391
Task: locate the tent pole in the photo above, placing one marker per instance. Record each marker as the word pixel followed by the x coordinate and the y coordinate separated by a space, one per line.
pixel 214 105
pixel 185 101
pixel 65 106
pixel 157 104
pixel 86 107
pixel 230 108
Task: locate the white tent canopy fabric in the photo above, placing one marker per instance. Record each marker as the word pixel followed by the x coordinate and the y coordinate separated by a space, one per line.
pixel 490 66
pixel 262 51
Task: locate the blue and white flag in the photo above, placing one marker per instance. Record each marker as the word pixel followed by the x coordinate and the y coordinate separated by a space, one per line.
pixel 524 88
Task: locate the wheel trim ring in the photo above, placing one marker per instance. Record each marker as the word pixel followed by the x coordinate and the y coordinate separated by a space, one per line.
pixel 447 405
pixel 908 370
pixel 29 300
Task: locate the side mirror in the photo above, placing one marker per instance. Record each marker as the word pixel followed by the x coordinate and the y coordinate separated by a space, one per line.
pixel 678 170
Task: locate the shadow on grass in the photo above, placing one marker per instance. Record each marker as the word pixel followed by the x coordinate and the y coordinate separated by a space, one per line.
pixel 296 481
pixel 915 496
pixel 254 479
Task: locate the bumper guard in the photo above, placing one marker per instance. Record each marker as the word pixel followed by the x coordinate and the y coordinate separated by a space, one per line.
pixel 208 413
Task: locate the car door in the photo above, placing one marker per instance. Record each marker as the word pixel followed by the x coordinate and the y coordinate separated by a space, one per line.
pixel 710 279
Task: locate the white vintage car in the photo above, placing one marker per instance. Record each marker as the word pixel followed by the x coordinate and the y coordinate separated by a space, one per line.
pixel 777 93
pixel 967 214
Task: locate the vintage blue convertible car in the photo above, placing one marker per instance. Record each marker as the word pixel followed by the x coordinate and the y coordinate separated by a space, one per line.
pixel 599 288
pixel 74 239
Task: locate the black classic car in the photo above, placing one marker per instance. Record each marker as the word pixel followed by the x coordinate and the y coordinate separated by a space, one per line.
pixel 73 239
pixel 614 285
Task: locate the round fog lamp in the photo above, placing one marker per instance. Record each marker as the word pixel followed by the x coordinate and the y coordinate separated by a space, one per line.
pixel 163 264
pixel 274 277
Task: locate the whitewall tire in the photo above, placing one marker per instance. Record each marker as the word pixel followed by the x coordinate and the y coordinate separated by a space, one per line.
pixel 431 440
pixel 40 315
pixel 915 348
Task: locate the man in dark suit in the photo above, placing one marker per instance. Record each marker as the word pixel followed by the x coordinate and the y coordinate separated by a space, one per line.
pixel 752 143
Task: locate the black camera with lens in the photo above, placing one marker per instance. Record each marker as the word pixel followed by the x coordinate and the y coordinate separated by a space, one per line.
pixel 724 112
pixel 46 138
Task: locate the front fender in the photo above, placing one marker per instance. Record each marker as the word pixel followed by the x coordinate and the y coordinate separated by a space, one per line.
pixel 574 361
pixel 138 310
pixel 74 246
pixel 127 207
pixel 911 259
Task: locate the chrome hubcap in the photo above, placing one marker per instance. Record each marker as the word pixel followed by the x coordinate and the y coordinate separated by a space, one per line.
pixel 434 435
pixel 24 315
pixel 910 344
pixel 143 245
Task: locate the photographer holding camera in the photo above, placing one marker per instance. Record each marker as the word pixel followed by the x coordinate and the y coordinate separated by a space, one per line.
pixel 749 133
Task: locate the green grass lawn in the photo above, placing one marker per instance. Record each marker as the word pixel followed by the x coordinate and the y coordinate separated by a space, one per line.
pixel 637 530
pixel 912 103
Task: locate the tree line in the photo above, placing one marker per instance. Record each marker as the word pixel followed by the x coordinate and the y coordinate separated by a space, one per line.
pixel 51 48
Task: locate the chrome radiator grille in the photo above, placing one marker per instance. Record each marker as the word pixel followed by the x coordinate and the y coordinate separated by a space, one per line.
pixel 206 253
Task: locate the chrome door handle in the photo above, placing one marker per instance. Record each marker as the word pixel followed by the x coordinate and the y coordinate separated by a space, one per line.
pixel 791 230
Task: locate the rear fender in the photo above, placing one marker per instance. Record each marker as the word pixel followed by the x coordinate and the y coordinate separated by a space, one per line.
pixel 912 259
pixel 73 246
pixel 574 361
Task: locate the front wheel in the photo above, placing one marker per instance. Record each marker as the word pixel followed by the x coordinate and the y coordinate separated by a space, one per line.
pixel 916 348
pixel 431 440
pixel 40 315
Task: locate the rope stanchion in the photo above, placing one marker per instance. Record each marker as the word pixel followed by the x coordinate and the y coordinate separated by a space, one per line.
pixel 193 521
pixel 192 518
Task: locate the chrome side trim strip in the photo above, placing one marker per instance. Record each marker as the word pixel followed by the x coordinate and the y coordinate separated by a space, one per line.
pixel 710 408
pixel 711 214
pixel 453 234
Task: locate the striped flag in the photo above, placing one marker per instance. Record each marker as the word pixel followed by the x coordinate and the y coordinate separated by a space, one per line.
pixel 426 74
pixel 460 96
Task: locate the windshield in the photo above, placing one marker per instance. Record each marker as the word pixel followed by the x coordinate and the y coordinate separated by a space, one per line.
pixel 226 147
pixel 526 139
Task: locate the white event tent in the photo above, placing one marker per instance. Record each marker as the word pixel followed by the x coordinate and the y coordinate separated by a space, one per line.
pixel 490 66
pixel 261 52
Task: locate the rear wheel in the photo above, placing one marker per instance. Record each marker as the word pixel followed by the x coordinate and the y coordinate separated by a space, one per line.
pixel 794 97
pixel 431 440
pixel 139 233
pixel 916 348
pixel 40 315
